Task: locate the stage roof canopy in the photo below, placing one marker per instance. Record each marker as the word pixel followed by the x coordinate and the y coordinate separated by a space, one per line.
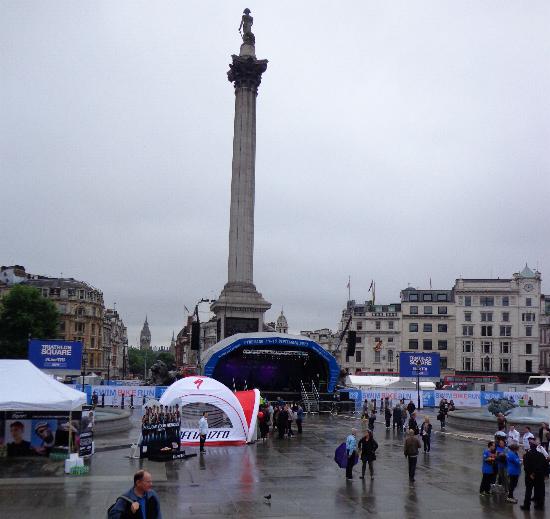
pixel 273 341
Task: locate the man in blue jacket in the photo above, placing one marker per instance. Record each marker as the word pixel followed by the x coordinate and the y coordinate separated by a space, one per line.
pixel 488 469
pixel 140 502
pixel 513 464
pixel 351 448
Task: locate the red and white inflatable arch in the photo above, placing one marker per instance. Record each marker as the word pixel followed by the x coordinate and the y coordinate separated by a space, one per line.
pixel 241 408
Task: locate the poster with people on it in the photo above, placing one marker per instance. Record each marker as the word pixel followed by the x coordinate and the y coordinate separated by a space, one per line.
pixel 37 433
pixel 85 447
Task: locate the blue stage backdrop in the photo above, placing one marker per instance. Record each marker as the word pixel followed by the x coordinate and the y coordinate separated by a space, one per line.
pixel 50 354
pixel 427 363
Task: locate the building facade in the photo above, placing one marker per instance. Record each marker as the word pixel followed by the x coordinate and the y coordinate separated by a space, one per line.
pixel 115 339
pixel 428 324
pixel 544 335
pixel 497 325
pixel 378 332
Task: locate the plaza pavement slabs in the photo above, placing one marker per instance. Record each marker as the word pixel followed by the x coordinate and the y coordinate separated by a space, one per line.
pixel 299 473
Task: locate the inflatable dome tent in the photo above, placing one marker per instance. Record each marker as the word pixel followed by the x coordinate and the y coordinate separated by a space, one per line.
pixel 231 416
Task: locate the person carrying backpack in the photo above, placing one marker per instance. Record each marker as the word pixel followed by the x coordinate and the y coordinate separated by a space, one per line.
pixel 139 502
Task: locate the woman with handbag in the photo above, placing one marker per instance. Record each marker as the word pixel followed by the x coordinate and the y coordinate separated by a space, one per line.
pixel 367 450
pixel 426 432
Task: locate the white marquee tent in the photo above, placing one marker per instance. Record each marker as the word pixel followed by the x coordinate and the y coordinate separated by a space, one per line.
pixel 543 388
pixel 23 387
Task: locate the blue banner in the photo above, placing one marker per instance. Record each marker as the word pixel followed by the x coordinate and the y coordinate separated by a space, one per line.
pixel 419 364
pixel 50 354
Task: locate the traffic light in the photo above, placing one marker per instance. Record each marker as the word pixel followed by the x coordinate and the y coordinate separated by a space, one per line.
pixel 352 339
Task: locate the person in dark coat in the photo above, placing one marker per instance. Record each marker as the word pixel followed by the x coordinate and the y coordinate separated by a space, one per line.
pixel 426 433
pixel 411 408
pixel 367 450
pixel 282 422
pixel 535 467
pixel 397 417
pixel 387 416
pixel 412 425
pixel 410 449
pixel 141 501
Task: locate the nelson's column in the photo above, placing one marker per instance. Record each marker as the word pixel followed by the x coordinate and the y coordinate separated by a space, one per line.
pixel 240 307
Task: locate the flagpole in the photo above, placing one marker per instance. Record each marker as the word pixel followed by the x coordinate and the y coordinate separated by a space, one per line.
pixel 349 288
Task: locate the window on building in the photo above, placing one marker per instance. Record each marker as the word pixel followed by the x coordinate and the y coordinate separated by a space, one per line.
pixel 72 292
pixel 467 300
pixel 529 331
pixel 358 340
pixel 505 347
pixel 528 366
pixel 377 356
pixel 528 349
pixel 390 356
pixel 486 331
pixel 93 328
pixel 486 317
pixel 487 301
pixel 505 301
pixel 468 316
pixel 441 345
pixel 80 311
pixel 413 327
pixel 528 316
pixel 467 346
pixel 442 328
pixel 359 325
pixel 505 365
pixel 426 297
pixel 390 339
pixel 79 327
pixel 486 347
pixel 506 317
pixel 92 342
pixel 528 301
pixel 414 310
pixel 427 327
pixel 390 325
pixel 487 364
pixel 81 294
pixel 441 310
pixel 62 326
pixel 467 363
pixel 505 331
pixel 442 297
pixel 428 310
pixel 467 330
pixel 357 356
pixel 413 344
pixel 427 344
pixel 413 297
pixel 443 362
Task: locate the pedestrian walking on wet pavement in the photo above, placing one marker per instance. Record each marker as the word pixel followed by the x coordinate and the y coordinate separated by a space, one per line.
pixel 502 465
pixel 413 424
pixel 351 453
pixel 387 416
pixel 513 466
pixel 203 430
pixel 426 434
pixel 372 420
pixel 535 467
pixel 367 453
pixel 488 469
pixel 412 445
pixel 140 502
pixel 397 417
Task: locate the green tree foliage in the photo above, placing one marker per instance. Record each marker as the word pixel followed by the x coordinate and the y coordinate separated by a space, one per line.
pixel 136 360
pixel 25 313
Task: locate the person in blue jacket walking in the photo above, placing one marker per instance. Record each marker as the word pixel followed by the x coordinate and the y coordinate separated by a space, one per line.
pixel 514 470
pixel 488 469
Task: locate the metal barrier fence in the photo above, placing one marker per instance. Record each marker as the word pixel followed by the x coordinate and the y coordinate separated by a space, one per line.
pixel 336 407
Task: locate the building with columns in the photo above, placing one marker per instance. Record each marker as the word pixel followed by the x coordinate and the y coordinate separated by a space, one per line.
pixel 115 339
pixel 544 335
pixel 497 325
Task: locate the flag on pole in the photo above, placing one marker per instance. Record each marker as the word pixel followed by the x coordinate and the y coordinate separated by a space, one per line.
pixel 373 292
pixel 371 285
pixel 186 309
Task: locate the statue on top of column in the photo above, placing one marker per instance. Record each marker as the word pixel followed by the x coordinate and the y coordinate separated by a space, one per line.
pixel 246 26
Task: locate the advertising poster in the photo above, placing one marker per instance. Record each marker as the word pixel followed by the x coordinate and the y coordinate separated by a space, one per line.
pixel 85 447
pixel 56 355
pixel 419 364
pixel 37 433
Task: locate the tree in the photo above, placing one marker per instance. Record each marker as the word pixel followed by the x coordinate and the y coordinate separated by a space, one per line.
pixel 167 358
pixel 25 314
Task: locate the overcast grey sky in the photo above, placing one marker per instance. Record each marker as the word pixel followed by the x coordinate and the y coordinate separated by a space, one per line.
pixel 396 141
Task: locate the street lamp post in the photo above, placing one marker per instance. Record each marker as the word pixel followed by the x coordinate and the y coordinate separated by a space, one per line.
pixel 418 365
pixel 108 367
pixel 124 354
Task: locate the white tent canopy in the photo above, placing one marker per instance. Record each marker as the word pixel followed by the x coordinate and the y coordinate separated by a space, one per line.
pixel 23 387
pixel 543 388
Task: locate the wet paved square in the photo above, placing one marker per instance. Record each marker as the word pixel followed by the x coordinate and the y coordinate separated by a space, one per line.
pixel 299 473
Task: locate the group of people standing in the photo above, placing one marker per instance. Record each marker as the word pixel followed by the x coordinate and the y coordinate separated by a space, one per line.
pixel 280 416
pixel 501 463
